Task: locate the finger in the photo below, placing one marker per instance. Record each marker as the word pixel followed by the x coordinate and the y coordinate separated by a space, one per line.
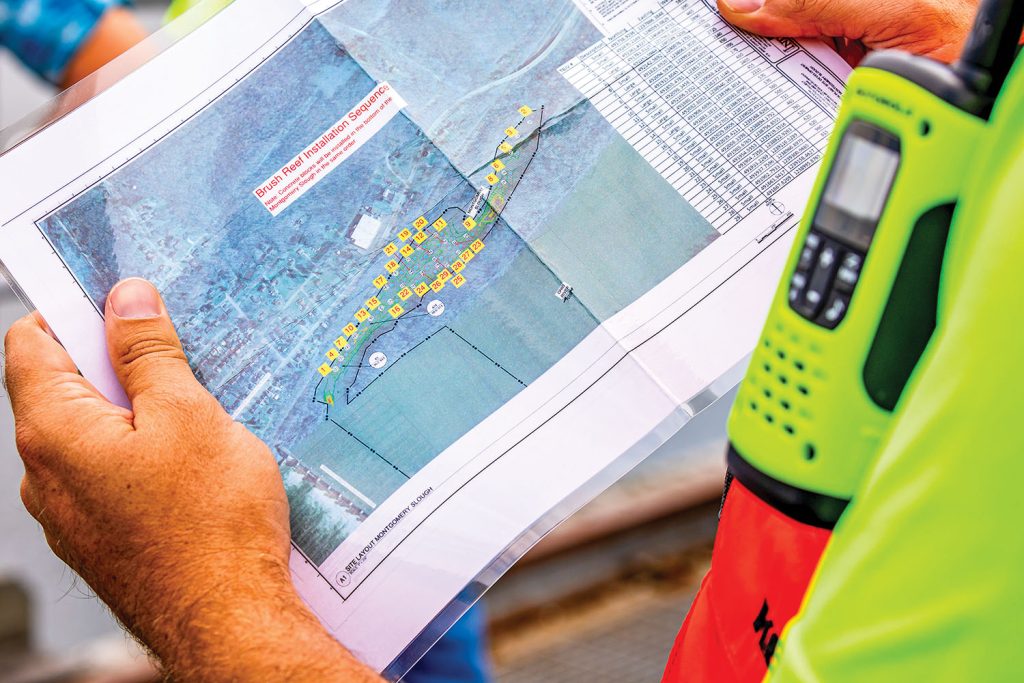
pixel 144 348
pixel 796 18
pixel 40 373
pixel 852 51
pixel 29 348
pixel 935 28
pixel 41 321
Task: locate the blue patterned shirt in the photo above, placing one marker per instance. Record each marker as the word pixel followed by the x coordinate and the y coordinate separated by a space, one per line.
pixel 44 34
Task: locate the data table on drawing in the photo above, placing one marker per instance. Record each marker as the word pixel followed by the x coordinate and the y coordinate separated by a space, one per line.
pixel 715 111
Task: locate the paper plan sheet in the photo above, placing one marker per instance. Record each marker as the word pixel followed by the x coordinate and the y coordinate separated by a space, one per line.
pixel 459 268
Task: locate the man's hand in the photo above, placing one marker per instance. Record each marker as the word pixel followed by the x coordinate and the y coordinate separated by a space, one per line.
pixel 934 28
pixel 172 512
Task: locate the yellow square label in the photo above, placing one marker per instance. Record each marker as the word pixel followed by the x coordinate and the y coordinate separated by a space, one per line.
pixel 477 247
pixel 405 234
pixel 437 286
pixel 467 256
pixel 341 342
pixel 525 111
pixel 492 178
pixel 440 224
pixel 422 288
pixel 349 329
pixel 390 249
pixel 404 293
pixel 458 281
pixel 332 355
pixel 505 147
pixel 469 223
pixel 420 237
pixel 380 281
pixel 362 315
pixel 511 132
pixel 324 369
pixel 458 266
pixel 372 303
pixel 444 275
pixel 420 223
pixel 396 310
pixel 391 266
pixel 407 251
pixel 498 165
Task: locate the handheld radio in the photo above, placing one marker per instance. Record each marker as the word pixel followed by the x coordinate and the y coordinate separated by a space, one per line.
pixel 856 307
pixel 857 303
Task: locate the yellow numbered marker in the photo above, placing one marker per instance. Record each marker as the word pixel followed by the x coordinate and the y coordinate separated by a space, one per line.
pixel 406 251
pixel 458 266
pixel 362 315
pixel 341 342
pixel 467 256
pixel 469 223
pixel 380 281
pixel 421 289
pixel 404 293
pixel 391 266
pixel 505 147
pixel 511 132
pixel 437 286
pixel 477 247
pixel 349 329
pixel 372 303
pixel 440 224
pixel 458 281
pixel 420 223
pixel 390 249
pixel 498 165
pixel 420 237
pixel 396 311
pixel 525 111
pixel 492 178
pixel 332 355
pixel 325 369
pixel 444 275
pixel 405 234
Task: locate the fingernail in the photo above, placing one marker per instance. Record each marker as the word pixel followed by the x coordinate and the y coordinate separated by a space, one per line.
pixel 744 6
pixel 134 298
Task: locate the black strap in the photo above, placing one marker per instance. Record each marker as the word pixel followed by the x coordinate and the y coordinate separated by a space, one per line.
pixel 815 509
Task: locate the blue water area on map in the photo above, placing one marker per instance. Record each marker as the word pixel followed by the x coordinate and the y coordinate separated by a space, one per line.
pixel 258 299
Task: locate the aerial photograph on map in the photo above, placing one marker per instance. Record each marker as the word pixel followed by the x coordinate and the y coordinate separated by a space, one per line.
pixel 458 69
pixel 453 259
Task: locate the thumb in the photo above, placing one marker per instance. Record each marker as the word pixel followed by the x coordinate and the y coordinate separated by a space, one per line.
pixel 144 348
pixel 795 18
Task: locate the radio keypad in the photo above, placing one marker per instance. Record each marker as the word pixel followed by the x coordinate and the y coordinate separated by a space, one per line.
pixel 826 275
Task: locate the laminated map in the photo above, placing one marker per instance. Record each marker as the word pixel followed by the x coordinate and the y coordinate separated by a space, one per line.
pixel 460 265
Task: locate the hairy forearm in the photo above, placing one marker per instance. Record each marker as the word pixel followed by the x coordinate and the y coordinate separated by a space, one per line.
pixel 253 628
pixel 174 514
pixel 264 641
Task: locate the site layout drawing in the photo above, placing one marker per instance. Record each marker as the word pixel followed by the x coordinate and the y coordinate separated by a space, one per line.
pixel 457 267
